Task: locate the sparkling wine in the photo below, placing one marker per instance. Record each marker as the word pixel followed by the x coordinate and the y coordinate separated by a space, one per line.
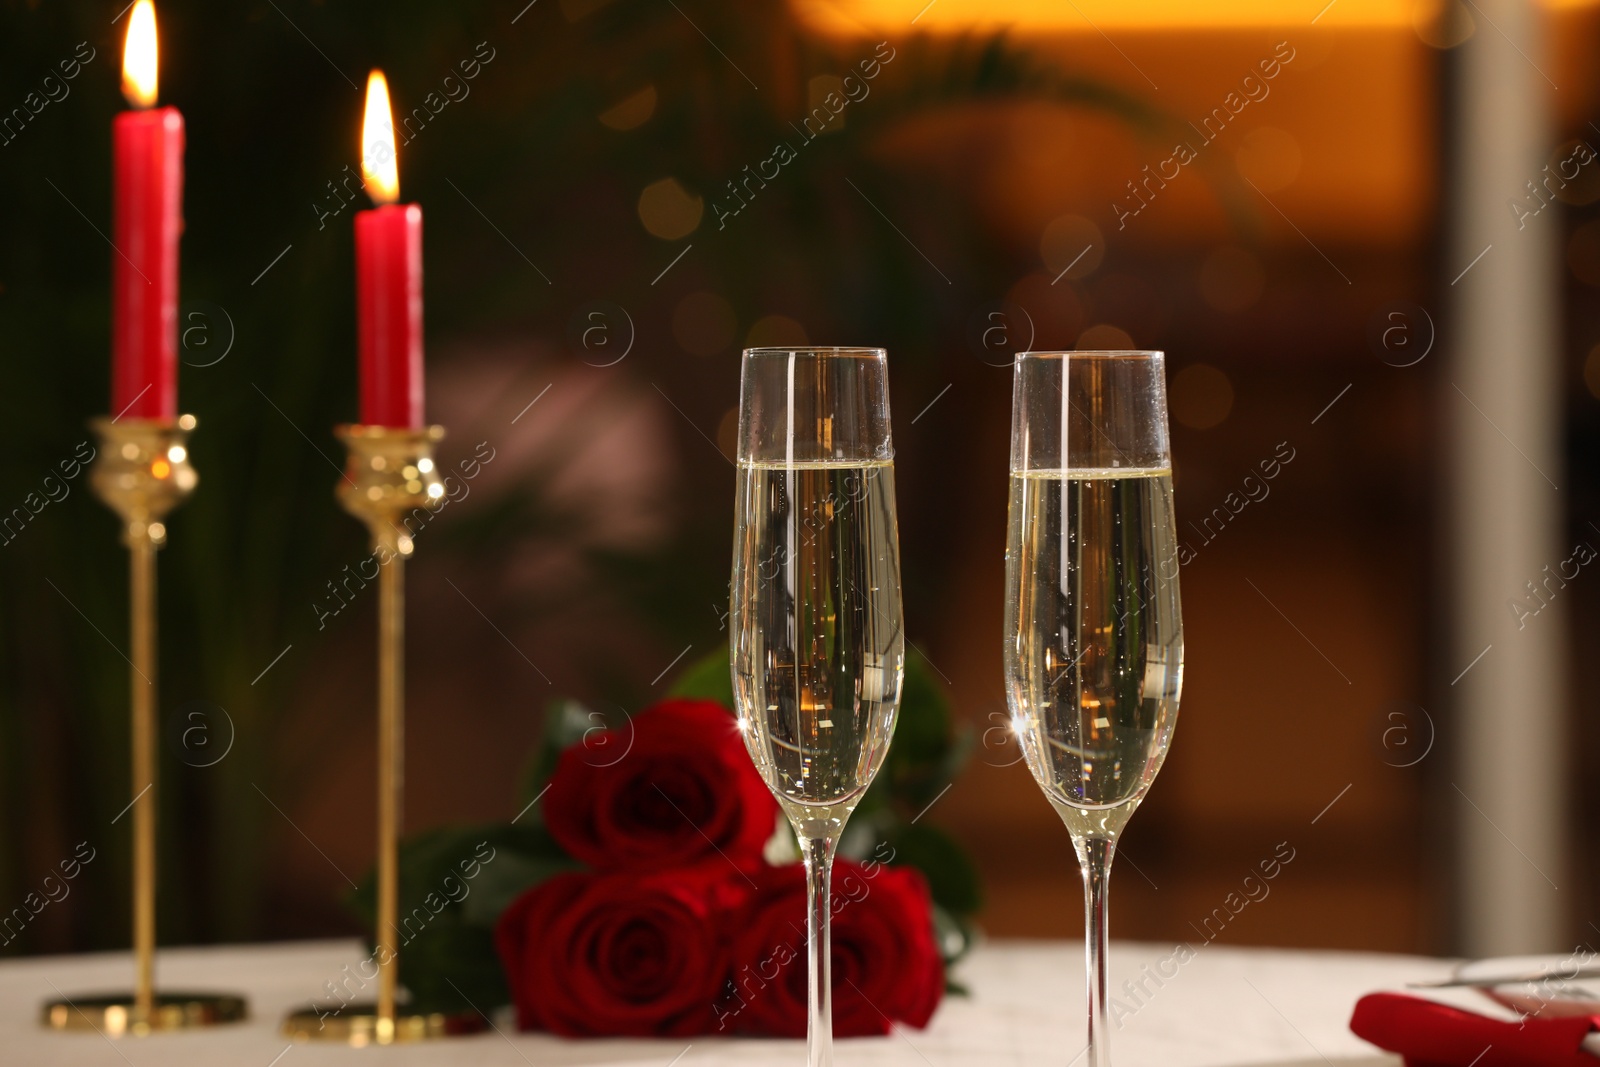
pixel 1094 637
pixel 818 642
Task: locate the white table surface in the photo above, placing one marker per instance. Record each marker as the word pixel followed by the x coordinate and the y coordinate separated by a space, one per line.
pixel 1225 1008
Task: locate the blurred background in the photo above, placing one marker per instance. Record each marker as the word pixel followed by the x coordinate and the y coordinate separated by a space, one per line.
pixel 1383 445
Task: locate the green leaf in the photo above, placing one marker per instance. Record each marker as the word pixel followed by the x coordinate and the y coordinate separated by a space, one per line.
pixel 454 883
pixel 708 678
pixel 454 968
pixel 510 875
pixel 952 877
pixel 565 724
pixel 925 731
pixel 955 937
pixel 927 754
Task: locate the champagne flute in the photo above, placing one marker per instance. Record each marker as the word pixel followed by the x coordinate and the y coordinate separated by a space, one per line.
pixel 818 644
pixel 1093 626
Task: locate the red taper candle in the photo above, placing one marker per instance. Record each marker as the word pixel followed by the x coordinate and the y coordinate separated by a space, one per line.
pixel 147 218
pixel 388 277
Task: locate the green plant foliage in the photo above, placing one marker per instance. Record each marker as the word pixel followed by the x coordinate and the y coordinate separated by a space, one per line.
pixel 708 678
pixel 951 874
pixel 454 883
pixel 566 723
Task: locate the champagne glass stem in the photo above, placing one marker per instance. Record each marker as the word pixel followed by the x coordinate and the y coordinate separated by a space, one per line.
pixel 819 964
pixel 1094 857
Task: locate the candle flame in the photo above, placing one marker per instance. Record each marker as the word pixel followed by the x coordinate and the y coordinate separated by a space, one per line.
pixel 139 56
pixel 379 168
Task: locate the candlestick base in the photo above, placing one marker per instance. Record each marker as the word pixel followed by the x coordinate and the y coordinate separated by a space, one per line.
pixel 116 1014
pixel 358 1025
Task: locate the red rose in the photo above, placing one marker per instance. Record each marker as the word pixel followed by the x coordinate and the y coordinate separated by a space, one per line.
pixel 595 955
pixel 886 964
pixel 682 791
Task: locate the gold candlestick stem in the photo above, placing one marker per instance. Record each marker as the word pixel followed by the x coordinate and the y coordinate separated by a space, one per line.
pixel 142 472
pixel 142 607
pixel 391 778
pixel 389 476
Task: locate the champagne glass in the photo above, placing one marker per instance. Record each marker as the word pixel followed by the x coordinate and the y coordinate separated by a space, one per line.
pixel 818 645
pixel 1093 627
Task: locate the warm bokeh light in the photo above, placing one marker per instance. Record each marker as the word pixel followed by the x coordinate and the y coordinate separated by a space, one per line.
pixel 1072 247
pixel 670 211
pixel 776 331
pixel 631 111
pixel 1104 337
pixel 140 56
pixel 1096 16
pixel 1091 15
pixel 379 167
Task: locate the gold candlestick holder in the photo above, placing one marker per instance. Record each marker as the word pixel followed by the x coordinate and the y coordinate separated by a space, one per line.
pixel 142 472
pixel 389 475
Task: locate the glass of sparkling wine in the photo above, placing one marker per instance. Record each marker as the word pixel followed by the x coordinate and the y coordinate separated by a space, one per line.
pixel 818 644
pixel 1093 626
